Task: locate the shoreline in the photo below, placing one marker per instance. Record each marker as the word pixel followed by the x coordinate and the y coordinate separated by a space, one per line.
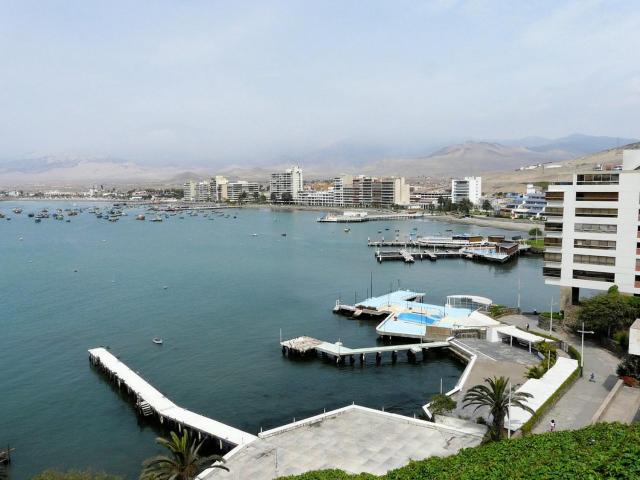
pixel 493 222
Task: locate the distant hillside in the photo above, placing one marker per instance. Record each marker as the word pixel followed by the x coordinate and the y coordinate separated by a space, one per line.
pixel 576 144
pixel 508 181
pixel 467 158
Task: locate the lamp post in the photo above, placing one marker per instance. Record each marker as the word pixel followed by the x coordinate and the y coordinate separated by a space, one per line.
pixel 583 331
pixel 509 412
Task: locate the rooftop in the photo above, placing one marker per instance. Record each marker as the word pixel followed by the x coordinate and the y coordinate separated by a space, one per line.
pixel 355 439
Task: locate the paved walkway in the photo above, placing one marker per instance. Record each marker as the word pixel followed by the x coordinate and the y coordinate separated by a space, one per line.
pixel 577 406
pixel 625 406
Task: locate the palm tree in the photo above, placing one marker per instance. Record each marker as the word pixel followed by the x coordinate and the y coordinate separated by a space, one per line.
pixel 496 397
pixel 184 462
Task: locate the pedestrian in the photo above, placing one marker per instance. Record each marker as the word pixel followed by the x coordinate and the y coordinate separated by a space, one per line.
pixel 592 378
pixel 527 327
pixel 552 426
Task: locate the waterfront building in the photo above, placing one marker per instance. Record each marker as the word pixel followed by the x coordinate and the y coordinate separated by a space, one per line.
pixel 527 205
pixel 468 187
pixel 197 191
pixel 318 198
pixel 424 199
pixel 363 191
pixel 219 192
pixel 287 182
pixel 235 190
pixel 592 232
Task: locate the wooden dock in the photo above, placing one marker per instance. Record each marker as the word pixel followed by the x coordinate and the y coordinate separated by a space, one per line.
pixel 150 402
pixel 304 346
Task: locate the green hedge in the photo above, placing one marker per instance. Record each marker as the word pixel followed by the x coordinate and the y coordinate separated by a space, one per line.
pixel 604 450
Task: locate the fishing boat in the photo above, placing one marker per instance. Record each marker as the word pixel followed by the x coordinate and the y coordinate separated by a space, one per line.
pixel 140 217
pixel 283 234
pixel 347 230
pixel 157 340
pixel 17 210
pixel 31 215
pixel 157 218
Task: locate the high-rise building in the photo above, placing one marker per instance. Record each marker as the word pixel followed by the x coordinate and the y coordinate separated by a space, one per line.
pixel 592 232
pixel 289 182
pixel 363 191
pixel 196 191
pixel 219 189
pixel 235 190
pixel 468 187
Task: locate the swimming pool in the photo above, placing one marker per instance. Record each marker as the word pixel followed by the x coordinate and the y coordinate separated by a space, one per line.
pixel 417 318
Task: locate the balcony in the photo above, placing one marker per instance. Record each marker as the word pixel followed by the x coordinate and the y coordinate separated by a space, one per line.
pixel 552 272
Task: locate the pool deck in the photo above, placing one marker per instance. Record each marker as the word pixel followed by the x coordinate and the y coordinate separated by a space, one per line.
pixel 354 438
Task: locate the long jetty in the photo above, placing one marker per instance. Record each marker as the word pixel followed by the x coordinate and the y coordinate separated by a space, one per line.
pixel 150 401
pixel 302 346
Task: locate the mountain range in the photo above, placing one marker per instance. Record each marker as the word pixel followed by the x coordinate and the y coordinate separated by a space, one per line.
pixel 466 158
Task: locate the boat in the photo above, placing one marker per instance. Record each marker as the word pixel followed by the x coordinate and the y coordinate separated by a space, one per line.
pixel 31 215
pixel 157 218
pixel 157 340
pixel 17 210
pixel 347 230
pixel 38 220
pixel 283 234
pixel 254 234
pixel 140 217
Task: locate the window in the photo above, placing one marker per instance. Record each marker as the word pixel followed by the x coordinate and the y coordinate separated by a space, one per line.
pixel 595 276
pixel 601 244
pixel 552 242
pixel 597 196
pixel 596 212
pixel 595 228
pixel 551 272
pixel 553 211
pixel 554 196
pixel 552 257
pixel 594 259
pixel 598 179
pixel 552 227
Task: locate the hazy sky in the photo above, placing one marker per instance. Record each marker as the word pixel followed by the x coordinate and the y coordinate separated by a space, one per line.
pixel 217 82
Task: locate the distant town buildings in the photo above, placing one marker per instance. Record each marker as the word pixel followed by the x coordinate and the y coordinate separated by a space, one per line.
pixel 468 187
pixel 286 185
pixel 527 205
pixel 592 232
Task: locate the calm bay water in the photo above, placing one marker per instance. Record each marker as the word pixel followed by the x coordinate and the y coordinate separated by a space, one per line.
pixel 228 295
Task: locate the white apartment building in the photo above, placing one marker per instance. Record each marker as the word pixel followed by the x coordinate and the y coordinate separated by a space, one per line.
pixel 318 198
pixel 363 191
pixel 468 187
pixel 236 189
pixel 592 233
pixel 219 191
pixel 424 199
pixel 196 191
pixel 289 181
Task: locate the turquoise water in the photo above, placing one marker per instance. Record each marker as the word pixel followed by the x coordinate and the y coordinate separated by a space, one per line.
pixel 67 287
pixel 417 318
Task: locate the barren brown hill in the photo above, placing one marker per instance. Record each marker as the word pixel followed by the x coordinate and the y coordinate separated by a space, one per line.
pixel 516 181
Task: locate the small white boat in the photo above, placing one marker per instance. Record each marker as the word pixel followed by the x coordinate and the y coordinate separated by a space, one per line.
pixel 254 234
pixel 347 230
pixel 157 340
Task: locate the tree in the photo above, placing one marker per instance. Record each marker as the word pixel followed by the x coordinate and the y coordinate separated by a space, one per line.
pixel 441 404
pixel 495 396
pixel 243 196
pixel 256 196
pixel 441 203
pixel 72 475
pixel 535 232
pixel 606 312
pixel 464 206
pixel 183 463
pixel 262 198
pixel 287 197
pixel 486 206
pixel 273 197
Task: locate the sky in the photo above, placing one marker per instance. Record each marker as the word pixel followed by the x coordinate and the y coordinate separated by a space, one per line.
pixel 241 82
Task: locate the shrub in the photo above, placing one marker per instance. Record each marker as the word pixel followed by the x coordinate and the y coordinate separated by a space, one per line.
pixel 629 367
pixel 74 475
pixel 441 404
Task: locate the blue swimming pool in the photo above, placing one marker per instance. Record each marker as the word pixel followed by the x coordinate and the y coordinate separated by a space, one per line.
pixel 417 318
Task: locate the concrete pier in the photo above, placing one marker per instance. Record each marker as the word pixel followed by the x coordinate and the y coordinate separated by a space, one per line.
pixel 151 402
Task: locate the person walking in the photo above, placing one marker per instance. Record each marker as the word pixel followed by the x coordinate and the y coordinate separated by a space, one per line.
pixel 552 426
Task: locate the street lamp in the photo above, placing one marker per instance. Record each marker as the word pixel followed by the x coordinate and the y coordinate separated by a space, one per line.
pixel 583 331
